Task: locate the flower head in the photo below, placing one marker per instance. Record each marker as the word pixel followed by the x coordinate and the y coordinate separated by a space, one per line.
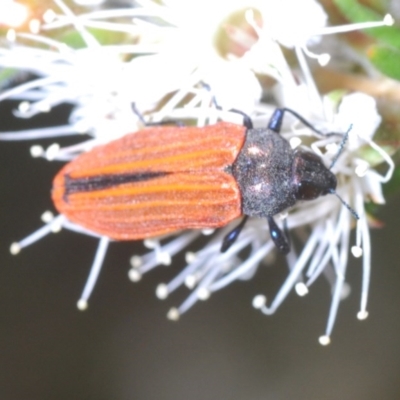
pixel 195 62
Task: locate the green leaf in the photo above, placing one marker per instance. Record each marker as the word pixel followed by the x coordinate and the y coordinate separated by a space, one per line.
pixel 355 12
pixel 386 59
pixel 74 39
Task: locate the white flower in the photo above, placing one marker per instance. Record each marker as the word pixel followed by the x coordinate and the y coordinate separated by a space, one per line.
pixel 325 250
pixel 175 69
pixel 12 13
pixel 286 14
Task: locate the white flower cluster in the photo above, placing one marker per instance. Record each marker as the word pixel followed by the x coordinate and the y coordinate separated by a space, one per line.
pixel 174 67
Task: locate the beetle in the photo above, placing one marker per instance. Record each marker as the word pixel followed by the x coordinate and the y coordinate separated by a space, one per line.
pixel 162 179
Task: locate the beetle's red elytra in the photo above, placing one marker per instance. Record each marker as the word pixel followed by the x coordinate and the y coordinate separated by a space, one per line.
pixel 153 182
pixel 163 179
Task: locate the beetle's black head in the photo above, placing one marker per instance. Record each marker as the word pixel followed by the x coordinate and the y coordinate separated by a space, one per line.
pixel 311 178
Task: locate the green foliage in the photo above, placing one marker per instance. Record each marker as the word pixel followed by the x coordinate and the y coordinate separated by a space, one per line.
pixel 386 59
pixel 384 54
pixel 74 39
pixel 356 12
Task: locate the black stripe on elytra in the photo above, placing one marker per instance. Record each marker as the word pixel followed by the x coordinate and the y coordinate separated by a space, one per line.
pixel 100 182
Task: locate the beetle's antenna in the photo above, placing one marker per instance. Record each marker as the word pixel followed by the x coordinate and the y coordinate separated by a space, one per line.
pixel 353 212
pixel 341 146
pixel 340 151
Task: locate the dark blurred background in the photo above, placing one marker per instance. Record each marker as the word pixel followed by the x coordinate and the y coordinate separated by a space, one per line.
pixel 124 348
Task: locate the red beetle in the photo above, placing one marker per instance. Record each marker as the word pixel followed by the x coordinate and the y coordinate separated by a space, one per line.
pixel 163 179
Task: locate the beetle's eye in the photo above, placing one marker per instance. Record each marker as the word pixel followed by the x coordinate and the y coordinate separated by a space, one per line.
pixel 307 191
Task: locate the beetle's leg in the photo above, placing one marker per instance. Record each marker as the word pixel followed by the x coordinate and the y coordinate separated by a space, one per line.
pixel 247 122
pixel 278 237
pixel 275 122
pixel 231 237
